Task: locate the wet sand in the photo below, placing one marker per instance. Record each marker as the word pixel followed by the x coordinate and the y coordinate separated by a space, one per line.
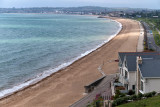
pixel 67 86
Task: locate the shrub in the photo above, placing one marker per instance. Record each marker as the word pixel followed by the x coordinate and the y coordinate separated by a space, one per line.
pixel 139 96
pixel 153 93
pixel 122 95
pixel 125 99
pixel 118 93
pixel 116 96
pixel 120 100
pixel 133 97
pixel 151 49
pixel 114 103
pixel 148 95
pixel 98 96
pixel 131 92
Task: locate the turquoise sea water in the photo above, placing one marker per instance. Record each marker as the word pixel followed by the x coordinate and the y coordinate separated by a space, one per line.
pixel 34 44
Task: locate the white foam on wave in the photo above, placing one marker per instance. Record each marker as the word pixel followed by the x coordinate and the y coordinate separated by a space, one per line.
pixel 47 73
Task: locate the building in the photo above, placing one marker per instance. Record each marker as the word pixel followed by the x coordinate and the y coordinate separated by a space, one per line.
pixel 148 75
pixel 139 71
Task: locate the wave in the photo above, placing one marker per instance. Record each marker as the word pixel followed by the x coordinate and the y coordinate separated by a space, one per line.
pixel 47 73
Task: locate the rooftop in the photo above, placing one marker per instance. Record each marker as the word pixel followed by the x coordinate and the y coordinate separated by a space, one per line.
pixel 150 68
pixel 131 58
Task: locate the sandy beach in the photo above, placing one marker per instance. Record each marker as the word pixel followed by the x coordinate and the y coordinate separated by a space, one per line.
pixel 67 86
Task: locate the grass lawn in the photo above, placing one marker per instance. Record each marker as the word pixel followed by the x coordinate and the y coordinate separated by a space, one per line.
pixel 156 36
pixel 150 102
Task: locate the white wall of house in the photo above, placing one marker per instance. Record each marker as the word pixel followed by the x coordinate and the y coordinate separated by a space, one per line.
pixel 151 84
pixel 131 79
pixel 122 74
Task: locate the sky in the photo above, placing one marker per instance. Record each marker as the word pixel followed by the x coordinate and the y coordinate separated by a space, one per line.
pixel 152 4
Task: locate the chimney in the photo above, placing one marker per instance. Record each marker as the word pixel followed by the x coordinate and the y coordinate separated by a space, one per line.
pixel 138 61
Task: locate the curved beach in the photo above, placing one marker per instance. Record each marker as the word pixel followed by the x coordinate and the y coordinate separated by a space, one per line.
pixel 67 86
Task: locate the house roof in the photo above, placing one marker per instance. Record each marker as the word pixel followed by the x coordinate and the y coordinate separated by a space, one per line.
pixel 130 57
pixel 131 63
pixel 123 54
pixel 150 68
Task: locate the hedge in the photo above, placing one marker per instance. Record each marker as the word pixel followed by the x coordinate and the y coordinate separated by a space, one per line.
pixel 123 100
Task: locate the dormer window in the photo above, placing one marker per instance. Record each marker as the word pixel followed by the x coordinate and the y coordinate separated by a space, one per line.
pixel 125 63
pixel 142 85
pixel 126 74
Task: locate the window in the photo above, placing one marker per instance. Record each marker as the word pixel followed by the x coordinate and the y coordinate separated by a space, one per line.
pixel 125 63
pixel 126 86
pixel 126 74
pixel 133 87
pixel 121 71
pixel 141 85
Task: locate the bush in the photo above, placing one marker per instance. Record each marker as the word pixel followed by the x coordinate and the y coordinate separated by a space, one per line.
pixel 139 96
pixel 151 49
pixel 117 102
pixel 122 95
pixel 153 93
pixel 118 93
pixel 116 96
pixel 131 92
pixel 133 97
pixel 125 99
pixel 121 100
pixel 148 95
pixel 114 103
pixel 97 102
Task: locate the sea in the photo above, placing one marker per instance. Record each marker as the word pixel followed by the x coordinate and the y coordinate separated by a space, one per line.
pixel 34 46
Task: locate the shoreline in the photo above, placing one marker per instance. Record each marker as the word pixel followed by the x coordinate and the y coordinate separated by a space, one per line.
pixel 35 80
pixel 68 82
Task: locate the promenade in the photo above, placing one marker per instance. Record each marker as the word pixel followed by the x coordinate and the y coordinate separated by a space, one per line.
pixel 104 89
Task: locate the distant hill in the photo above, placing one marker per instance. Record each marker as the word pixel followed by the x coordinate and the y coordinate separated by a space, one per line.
pixel 86 9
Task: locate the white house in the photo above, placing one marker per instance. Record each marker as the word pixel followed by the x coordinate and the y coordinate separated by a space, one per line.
pixel 136 71
pixel 148 75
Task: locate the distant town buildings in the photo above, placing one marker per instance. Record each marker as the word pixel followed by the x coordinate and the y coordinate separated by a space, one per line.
pixel 88 10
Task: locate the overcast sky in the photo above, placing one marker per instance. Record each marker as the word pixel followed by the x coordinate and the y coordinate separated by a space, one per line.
pixel 152 4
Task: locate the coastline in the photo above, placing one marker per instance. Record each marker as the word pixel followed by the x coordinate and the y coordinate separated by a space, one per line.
pixel 64 71
pixel 47 73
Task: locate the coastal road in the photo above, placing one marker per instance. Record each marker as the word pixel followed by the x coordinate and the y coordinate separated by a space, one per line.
pixel 150 38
